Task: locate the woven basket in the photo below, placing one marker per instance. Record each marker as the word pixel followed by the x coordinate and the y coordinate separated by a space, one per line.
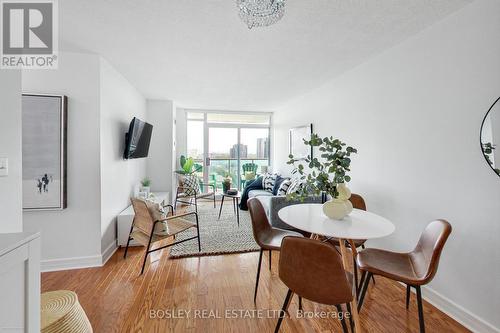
pixel 62 313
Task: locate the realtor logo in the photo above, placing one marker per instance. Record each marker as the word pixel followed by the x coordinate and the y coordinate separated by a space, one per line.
pixel 29 34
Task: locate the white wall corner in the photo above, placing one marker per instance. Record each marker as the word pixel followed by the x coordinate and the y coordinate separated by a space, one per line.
pixel 160 113
pixel 457 312
pixel 53 265
pixel 108 252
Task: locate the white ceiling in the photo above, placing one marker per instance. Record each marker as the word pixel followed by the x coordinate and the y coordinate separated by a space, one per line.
pixel 199 53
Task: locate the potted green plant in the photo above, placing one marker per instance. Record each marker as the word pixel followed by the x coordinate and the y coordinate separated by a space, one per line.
pixel 188 166
pixel 326 176
pixel 226 183
pixel 146 186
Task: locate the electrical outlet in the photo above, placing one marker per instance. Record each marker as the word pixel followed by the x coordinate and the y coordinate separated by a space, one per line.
pixel 4 166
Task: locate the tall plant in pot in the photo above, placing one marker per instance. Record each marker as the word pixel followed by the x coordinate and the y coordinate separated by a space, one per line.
pixel 327 175
pixel 226 182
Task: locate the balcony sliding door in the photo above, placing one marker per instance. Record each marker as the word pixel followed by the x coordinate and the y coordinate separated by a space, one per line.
pixel 231 142
pixel 254 152
pixel 222 157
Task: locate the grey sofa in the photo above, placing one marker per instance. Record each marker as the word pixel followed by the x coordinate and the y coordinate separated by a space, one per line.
pixel 273 203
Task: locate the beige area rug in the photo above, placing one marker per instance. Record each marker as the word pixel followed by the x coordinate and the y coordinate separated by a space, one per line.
pixel 217 236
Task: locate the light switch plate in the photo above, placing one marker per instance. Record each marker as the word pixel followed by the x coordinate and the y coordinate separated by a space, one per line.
pixel 4 166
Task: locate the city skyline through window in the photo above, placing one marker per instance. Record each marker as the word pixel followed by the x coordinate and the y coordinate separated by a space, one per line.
pixel 231 141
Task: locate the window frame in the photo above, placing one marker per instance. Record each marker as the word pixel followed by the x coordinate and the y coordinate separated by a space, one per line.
pixel 239 126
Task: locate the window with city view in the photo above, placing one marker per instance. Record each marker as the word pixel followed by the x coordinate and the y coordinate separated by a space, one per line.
pixel 230 143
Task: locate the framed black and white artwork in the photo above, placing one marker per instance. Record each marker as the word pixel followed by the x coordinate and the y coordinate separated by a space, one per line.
pixel 296 140
pixel 44 121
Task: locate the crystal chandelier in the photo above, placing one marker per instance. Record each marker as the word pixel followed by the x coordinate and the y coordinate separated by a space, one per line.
pixel 261 13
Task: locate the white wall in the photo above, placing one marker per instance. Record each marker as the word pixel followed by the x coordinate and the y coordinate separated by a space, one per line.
pixel 160 113
pixel 120 102
pixel 101 104
pixel 10 147
pixel 174 162
pixel 414 113
pixel 181 134
pixel 75 231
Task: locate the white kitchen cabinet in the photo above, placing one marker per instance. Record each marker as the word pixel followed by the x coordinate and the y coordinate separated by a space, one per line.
pixel 20 282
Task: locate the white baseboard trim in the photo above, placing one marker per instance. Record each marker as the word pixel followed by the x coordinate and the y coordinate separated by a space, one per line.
pixel 108 252
pixel 457 312
pixel 52 265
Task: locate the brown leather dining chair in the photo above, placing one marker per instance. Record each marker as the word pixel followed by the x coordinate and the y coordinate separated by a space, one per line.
pixel 414 269
pixel 313 270
pixel 267 237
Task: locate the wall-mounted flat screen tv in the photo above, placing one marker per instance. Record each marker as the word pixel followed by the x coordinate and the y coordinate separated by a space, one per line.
pixel 137 139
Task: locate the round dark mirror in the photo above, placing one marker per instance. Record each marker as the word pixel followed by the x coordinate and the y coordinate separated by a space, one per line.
pixel 490 136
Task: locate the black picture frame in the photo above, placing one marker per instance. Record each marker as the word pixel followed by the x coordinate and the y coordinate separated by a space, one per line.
pixel 44 118
pixel 481 144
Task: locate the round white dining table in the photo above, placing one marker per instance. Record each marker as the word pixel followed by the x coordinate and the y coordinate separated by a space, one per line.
pixel 359 224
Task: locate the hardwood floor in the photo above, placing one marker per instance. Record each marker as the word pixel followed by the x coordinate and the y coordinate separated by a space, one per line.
pixel 117 299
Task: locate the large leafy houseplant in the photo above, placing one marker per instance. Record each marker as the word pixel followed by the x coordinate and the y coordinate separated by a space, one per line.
pixel 188 166
pixel 326 175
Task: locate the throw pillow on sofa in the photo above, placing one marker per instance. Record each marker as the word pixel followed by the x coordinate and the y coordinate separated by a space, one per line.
pixel 277 184
pixel 161 228
pixel 283 187
pixel 295 186
pixel 268 181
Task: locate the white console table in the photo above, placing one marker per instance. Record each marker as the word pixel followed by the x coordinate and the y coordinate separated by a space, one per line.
pixel 20 282
pixel 125 218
